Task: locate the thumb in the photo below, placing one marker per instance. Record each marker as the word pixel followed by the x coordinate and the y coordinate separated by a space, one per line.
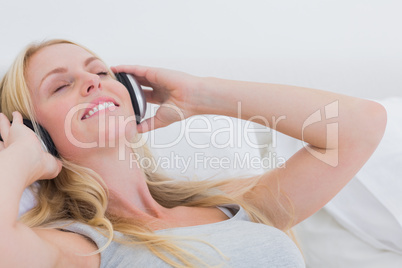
pixel 166 114
pixel 150 124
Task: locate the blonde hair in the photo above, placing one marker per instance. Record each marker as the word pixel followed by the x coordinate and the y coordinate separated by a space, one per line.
pixel 79 194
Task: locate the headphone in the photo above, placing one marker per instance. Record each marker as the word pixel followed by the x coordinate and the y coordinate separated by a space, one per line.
pixel 137 100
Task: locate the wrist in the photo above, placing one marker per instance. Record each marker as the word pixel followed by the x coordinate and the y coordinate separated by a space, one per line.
pixel 217 96
pixel 208 97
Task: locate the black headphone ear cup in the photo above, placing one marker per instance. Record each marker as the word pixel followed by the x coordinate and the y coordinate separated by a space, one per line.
pixel 44 137
pixel 136 94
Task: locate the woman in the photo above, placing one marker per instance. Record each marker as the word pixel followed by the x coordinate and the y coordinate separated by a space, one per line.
pixel 91 201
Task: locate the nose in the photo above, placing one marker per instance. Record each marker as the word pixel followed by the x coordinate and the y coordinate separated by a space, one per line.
pixel 91 83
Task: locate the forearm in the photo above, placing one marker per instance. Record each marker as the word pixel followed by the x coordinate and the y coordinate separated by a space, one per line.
pixel 302 113
pixel 13 179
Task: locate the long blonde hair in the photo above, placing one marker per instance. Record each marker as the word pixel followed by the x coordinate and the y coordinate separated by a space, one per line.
pixel 78 193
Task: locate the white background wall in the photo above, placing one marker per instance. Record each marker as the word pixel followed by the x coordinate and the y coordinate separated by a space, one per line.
pixel 349 46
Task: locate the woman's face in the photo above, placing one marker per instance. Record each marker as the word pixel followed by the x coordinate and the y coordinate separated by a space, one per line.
pixel 68 85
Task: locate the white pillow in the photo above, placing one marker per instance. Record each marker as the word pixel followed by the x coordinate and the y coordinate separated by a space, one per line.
pixel 212 146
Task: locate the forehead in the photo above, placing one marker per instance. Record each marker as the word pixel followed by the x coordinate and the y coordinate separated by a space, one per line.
pixel 54 56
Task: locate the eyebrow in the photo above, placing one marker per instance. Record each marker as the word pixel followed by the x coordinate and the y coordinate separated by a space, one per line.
pixel 63 70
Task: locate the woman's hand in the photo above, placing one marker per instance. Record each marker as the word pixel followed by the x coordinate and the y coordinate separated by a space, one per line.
pixel 39 164
pixel 177 93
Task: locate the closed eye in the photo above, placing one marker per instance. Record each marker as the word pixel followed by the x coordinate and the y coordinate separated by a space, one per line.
pixel 103 73
pixel 60 88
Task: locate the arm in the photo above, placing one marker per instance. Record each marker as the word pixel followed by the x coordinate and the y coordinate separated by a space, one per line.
pixel 341 131
pixel 22 161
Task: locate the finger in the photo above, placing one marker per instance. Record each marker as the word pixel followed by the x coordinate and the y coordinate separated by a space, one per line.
pixel 17 118
pixel 150 96
pixel 150 124
pixel 143 73
pixel 136 70
pixel 143 81
pixel 4 126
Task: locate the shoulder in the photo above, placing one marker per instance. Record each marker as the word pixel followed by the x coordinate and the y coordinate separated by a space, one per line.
pixel 74 250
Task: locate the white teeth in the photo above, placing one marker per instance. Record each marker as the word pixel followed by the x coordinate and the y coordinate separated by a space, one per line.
pixel 100 107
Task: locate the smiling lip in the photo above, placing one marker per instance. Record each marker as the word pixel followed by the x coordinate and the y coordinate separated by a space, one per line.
pixel 95 103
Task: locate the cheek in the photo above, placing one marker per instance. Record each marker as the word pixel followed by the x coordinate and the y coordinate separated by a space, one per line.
pixel 53 119
pixel 50 119
pixel 122 93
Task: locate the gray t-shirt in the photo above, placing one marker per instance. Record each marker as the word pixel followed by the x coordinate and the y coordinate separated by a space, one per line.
pixel 243 244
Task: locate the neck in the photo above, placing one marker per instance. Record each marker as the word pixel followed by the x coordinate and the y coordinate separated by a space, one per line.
pixel 129 195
